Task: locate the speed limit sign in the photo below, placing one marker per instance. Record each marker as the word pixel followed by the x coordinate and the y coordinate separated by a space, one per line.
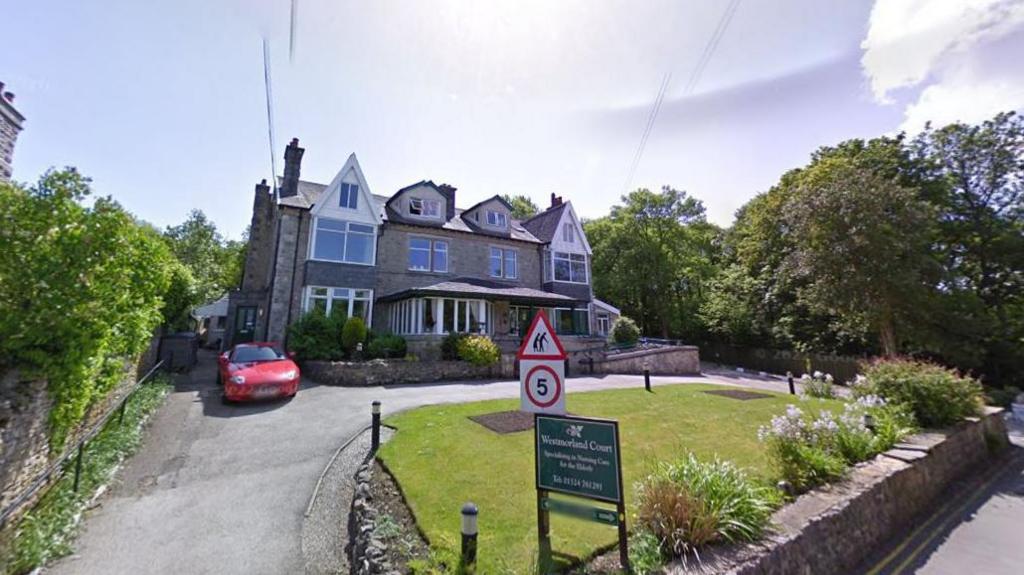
pixel 543 386
pixel 542 369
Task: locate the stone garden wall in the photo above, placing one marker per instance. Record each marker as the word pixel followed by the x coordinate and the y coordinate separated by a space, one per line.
pixel 829 529
pixel 394 371
pixel 675 360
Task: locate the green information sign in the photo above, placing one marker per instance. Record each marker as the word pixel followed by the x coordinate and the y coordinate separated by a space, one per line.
pixel 578 456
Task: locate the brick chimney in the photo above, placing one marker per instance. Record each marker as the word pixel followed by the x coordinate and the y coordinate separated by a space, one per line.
pixel 555 200
pixel 11 122
pixel 449 193
pixel 292 164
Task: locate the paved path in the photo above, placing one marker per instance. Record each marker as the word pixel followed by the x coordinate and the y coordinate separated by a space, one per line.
pixel 223 488
pixel 976 528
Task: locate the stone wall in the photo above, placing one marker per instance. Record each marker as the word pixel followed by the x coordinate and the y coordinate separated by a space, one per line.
pixel 675 360
pixel 830 529
pixel 393 371
pixel 25 426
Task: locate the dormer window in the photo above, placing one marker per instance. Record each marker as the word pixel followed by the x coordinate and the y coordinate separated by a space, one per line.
pixel 497 219
pixel 568 233
pixel 424 207
pixel 349 196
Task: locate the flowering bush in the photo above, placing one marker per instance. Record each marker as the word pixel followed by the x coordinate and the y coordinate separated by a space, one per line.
pixel 818 385
pixel 811 450
pixel 478 350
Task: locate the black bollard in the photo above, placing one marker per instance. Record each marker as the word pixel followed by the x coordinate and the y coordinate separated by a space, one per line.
pixel 647 379
pixel 375 433
pixel 469 531
pixel 789 378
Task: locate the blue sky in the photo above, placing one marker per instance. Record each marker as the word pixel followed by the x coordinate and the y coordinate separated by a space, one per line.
pixel 162 103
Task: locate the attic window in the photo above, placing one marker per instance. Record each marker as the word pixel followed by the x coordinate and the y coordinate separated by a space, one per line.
pixel 424 207
pixel 349 196
pixel 497 219
pixel 568 233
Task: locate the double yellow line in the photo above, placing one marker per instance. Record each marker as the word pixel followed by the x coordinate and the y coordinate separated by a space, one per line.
pixel 1012 465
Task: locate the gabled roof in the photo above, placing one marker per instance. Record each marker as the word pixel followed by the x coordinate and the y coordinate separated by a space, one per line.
pixel 544 225
pixel 394 215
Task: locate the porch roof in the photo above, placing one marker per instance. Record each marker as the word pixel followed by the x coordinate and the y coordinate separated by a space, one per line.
pixel 483 289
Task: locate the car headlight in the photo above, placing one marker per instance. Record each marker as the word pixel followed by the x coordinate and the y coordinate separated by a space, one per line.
pixel 289 374
pixel 237 379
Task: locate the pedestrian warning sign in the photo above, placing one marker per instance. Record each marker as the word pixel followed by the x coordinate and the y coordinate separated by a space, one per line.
pixel 540 341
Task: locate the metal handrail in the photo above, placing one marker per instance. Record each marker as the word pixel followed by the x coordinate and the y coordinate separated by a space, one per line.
pixel 79 446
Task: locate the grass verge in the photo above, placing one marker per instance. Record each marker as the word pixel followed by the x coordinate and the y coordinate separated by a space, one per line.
pixel 48 530
pixel 442 459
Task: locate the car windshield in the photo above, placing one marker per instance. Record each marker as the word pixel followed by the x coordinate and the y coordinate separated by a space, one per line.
pixel 256 353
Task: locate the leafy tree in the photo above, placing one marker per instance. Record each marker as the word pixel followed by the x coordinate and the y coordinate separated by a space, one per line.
pixel 522 206
pixel 653 256
pixel 81 290
pixel 860 247
pixel 215 263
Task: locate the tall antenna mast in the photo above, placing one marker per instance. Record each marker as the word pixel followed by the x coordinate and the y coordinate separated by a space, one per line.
pixel 270 115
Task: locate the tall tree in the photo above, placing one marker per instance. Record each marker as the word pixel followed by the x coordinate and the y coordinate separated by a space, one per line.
pixel 522 206
pixel 214 263
pixel 652 257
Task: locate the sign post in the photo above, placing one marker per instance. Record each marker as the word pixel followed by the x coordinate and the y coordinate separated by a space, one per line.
pixel 541 369
pixel 578 456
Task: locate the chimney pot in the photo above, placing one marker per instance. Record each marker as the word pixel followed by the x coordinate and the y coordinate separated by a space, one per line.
pixel 9 96
pixel 295 142
pixel 2 86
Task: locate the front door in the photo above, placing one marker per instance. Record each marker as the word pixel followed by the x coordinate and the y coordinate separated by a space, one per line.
pixel 245 323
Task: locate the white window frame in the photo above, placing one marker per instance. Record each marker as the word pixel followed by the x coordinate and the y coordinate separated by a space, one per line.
pixel 348 197
pixel 503 253
pixel 313 234
pixel 604 323
pixel 500 219
pixel 568 257
pixel 425 205
pixel 433 244
pixel 308 298
pixel 405 317
pixel 569 232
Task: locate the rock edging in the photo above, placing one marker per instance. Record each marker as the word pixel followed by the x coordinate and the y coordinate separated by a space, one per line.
pixel 369 552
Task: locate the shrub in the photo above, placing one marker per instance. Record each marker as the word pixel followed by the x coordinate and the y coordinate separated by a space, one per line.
pixel 315 336
pixel 808 451
pixel 353 334
pixel 818 385
pixel 937 396
pixel 450 346
pixel 386 346
pixel 479 350
pixel 625 331
pixel 692 503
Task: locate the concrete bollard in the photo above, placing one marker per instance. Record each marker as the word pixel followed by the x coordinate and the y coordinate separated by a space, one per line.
pixel 469 532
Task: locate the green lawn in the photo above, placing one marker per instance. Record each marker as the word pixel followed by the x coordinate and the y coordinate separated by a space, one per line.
pixel 442 459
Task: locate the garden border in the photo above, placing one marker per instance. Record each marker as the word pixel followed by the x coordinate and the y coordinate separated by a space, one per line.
pixel 829 529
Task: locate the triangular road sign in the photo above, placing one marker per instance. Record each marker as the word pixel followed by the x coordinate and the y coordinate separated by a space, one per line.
pixel 540 341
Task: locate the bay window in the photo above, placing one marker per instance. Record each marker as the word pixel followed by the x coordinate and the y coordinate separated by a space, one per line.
pixel 439 316
pixel 341 241
pixel 570 267
pixel 349 301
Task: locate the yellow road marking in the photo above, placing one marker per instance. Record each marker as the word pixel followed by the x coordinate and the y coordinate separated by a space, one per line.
pixel 917 550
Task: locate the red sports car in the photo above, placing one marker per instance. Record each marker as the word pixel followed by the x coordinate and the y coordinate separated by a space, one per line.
pixel 257 371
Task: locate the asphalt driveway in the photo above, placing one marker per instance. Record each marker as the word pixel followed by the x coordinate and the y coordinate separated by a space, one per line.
pixel 223 488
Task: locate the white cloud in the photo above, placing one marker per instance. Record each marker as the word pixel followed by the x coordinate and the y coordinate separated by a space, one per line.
pixel 960 53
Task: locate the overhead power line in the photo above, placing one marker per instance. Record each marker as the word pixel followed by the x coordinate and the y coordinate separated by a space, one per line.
pixel 270 115
pixel 702 62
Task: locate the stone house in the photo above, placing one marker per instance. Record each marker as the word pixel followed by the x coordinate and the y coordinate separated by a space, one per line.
pixel 411 263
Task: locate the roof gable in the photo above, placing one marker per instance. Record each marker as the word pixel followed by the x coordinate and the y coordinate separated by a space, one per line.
pixel 327 202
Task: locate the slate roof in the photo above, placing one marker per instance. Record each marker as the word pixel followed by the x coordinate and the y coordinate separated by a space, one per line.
pixel 544 225
pixel 482 289
pixel 309 194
